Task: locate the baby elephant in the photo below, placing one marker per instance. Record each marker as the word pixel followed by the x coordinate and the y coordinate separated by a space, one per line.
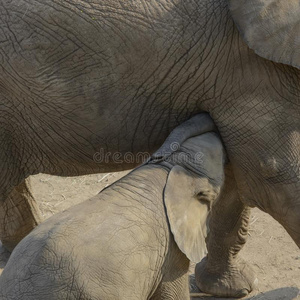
pixel 132 241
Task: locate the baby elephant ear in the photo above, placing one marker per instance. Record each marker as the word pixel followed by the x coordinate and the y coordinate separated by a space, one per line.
pixel 270 27
pixel 188 199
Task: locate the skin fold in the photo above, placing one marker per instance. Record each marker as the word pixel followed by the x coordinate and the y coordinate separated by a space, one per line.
pixel 79 78
pixel 118 244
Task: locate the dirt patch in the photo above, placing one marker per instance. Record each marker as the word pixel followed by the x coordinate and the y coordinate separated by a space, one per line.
pixel 273 255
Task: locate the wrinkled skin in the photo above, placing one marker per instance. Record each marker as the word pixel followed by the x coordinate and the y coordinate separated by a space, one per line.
pixel 118 244
pixel 80 76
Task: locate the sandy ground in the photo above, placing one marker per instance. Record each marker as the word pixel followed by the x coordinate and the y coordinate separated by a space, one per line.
pixel 271 252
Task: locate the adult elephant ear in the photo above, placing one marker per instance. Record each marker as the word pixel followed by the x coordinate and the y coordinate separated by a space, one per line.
pixel 270 27
pixel 188 199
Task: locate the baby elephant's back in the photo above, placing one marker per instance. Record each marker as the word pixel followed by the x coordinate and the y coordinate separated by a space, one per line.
pixel 94 250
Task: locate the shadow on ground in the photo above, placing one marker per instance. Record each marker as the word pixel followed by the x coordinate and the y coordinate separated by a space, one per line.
pixel 285 293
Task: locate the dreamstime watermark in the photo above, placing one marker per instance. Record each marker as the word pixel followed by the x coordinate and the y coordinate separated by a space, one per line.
pixel 171 153
pixel 120 158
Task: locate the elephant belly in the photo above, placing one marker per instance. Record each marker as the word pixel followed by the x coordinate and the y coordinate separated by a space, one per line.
pixel 89 88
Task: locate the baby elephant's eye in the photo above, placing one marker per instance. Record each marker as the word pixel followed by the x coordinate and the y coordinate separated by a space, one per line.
pixel 205 197
pixel 201 194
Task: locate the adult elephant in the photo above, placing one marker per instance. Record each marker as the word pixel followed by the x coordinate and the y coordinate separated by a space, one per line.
pixel 84 77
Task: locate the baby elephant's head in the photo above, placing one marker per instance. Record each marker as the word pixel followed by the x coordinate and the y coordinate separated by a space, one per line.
pixel 194 182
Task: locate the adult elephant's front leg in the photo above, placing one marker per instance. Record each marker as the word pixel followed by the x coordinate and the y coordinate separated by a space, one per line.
pixel 19 214
pixel 223 272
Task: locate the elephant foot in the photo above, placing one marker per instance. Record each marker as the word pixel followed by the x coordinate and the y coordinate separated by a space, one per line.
pixel 236 281
pixel 19 215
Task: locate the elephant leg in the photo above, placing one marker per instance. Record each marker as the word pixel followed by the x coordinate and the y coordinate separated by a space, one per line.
pixel 175 280
pixel 292 225
pixel 173 289
pixel 286 209
pixel 19 214
pixel 223 272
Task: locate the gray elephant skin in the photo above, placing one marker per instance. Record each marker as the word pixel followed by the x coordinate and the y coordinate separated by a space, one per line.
pixel 84 77
pixel 118 244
